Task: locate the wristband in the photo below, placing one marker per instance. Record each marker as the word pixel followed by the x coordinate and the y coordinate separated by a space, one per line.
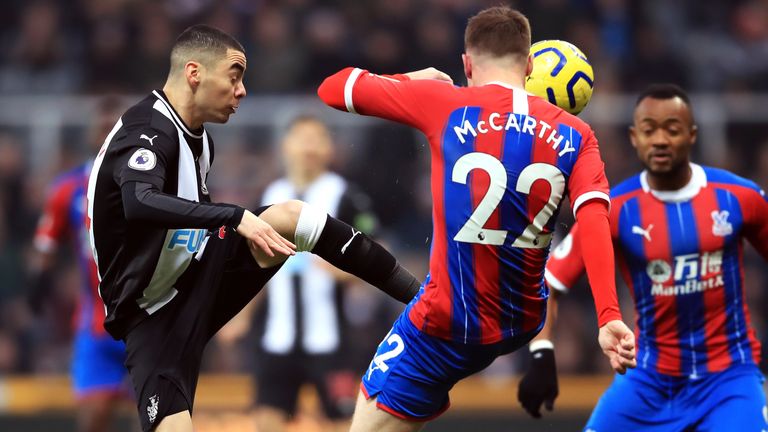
pixel 540 345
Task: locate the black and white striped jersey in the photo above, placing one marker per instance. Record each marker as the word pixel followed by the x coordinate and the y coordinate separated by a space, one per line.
pixel 149 212
pixel 303 309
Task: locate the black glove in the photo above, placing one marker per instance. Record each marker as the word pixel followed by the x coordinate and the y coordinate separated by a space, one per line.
pixel 539 384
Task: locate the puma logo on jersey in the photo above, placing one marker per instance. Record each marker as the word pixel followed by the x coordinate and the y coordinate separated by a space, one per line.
pixel 646 233
pixel 346 245
pixel 148 139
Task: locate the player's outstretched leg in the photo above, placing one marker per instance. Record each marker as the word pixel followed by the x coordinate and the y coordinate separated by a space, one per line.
pixel 369 418
pixel 341 245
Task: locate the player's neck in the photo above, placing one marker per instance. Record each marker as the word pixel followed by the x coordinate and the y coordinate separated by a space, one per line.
pixel 671 181
pixel 498 76
pixel 486 69
pixel 184 105
pixel 302 180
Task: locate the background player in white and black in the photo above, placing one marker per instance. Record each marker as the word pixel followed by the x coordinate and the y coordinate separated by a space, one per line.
pixel 174 267
pixel 303 333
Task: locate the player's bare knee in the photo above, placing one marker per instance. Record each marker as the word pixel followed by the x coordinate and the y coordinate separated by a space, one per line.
pixel 283 217
pixel 292 211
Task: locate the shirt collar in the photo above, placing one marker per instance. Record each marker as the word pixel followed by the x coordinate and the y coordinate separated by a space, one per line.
pixel 697 182
pixel 506 85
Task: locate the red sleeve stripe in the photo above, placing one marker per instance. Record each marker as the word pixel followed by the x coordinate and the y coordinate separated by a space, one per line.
pixel 350 84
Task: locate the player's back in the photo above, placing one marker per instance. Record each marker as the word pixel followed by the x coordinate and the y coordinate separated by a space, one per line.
pixel 502 161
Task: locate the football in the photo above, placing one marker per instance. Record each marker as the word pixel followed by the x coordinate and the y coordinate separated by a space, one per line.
pixel 561 74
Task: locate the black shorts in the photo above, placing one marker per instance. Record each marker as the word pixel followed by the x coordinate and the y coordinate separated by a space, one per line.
pixel 164 351
pixel 280 377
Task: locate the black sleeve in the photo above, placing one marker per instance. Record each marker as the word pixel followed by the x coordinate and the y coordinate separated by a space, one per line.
pixel 143 202
pixel 147 157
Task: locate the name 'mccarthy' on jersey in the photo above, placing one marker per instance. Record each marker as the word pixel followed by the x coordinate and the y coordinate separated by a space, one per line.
pixel 149 213
pixel 502 160
pixel 681 254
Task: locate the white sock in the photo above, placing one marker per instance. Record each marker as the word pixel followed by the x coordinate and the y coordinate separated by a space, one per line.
pixel 309 227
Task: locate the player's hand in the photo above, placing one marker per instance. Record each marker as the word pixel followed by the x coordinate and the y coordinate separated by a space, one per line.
pixel 429 73
pixel 263 236
pixel 618 343
pixel 539 384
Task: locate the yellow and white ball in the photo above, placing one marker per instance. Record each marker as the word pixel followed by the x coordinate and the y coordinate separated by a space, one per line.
pixel 561 74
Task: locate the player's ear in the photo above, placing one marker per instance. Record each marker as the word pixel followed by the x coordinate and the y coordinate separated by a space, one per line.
pixel 633 136
pixel 467 61
pixel 529 65
pixel 193 73
pixel 694 133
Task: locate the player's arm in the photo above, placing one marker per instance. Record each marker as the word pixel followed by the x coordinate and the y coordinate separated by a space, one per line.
pixel 400 97
pixel 539 384
pixel 51 231
pixel 756 220
pixel 141 177
pixel 588 189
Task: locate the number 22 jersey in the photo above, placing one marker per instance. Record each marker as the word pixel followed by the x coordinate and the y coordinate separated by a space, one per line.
pixel 502 160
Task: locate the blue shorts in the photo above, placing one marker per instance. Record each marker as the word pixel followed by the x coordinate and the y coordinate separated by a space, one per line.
pixel 412 372
pixel 97 365
pixel 732 400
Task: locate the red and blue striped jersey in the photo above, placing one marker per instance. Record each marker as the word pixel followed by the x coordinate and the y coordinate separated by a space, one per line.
pixel 64 218
pixel 501 161
pixel 681 255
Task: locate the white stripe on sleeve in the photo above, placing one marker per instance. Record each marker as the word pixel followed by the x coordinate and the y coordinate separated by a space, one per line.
pixel 554 282
pixel 588 196
pixel 348 89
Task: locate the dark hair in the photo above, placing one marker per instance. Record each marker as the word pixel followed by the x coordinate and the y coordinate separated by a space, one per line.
pixel 498 31
pixel 664 91
pixel 203 43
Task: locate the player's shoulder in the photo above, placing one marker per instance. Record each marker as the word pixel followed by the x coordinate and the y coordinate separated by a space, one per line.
pixel 743 187
pixel 542 108
pixel 725 177
pixel 279 190
pixel 626 187
pixel 145 118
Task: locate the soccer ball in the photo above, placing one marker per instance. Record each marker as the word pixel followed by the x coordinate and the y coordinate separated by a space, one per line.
pixel 561 74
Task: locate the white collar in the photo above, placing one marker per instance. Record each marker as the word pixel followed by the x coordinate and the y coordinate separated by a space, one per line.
pixel 697 182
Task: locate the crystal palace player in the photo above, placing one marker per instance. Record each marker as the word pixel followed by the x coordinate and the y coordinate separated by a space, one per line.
pixel 678 229
pixel 175 267
pixel 98 374
pixel 501 162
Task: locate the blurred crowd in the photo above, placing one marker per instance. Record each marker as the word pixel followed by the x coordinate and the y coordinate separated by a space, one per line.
pixel 68 46
pixel 94 47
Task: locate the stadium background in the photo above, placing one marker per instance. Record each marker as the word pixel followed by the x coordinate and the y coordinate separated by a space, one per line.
pixel 58 57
